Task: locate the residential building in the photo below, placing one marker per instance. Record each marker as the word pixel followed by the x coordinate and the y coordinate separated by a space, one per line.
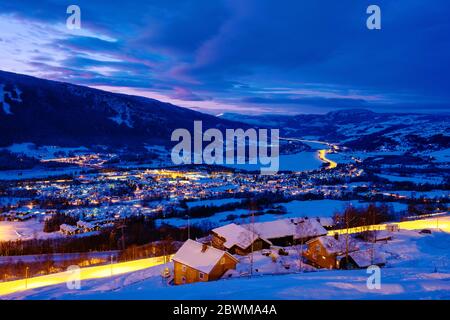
pixel 196 262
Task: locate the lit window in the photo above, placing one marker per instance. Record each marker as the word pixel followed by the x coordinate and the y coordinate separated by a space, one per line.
pixel 183 268
pixel 201 275
pixel 222 261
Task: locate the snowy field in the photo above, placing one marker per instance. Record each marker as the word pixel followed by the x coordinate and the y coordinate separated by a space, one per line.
pixel 418 267
pixel 212 202
pixel 426 194
pixel 441 156
pixel 349 157
pixel 37 173
pixel 312 209
pixel 415 179
pixel 43 152
pixel 30 229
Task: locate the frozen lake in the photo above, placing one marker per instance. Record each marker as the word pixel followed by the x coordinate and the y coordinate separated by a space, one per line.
pixel 302 161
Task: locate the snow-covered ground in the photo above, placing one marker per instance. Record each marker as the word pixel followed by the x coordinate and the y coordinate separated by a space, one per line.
pixel 415 179
pixel 43 152
pixel 30 229
pixel 441 155
pixel 418 267
pixel 426 194
pixel 349 157
pixel 212 202
pixel 312 209
pixel 37 173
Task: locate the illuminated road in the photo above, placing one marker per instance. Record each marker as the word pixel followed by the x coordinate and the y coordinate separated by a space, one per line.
pixel 442 223
pixel 103 271
pixel 322 156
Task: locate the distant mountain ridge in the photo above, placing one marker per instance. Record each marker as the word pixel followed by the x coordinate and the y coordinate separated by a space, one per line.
pixel 362 129
pixel 46 112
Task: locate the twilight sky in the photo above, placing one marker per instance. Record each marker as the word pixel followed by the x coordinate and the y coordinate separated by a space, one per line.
pixel 247 56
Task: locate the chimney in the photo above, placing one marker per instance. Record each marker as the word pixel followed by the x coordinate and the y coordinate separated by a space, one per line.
pixel 204 247
pixel 336 236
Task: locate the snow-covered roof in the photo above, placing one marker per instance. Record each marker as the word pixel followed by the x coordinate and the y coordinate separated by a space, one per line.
pixel 67 228
pixel 235 235
pixel 306 228
pixel 364 258
pixel 85 225
pixel 325 222
pixel 192 254
pixel 299 228
pixel 337 246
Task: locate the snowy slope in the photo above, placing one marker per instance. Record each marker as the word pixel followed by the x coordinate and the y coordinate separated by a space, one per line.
pixel 418 267
pixel 44 112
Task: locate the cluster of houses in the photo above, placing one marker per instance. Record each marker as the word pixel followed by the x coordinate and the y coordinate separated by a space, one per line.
pixel 210 258
pixel 17 215
pixel 84 226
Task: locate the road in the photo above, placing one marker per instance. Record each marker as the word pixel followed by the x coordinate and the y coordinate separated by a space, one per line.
pixel 102 271
pixel 442 223
pixel 323 156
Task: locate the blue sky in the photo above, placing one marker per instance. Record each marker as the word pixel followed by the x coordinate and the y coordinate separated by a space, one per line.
pixel 247 56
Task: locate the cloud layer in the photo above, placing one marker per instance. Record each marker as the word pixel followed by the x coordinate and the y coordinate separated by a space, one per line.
pixel 247 56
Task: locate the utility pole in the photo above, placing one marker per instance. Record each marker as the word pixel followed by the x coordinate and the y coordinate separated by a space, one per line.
pixel 252 222
pixel 26 278
pixel 111 264
pixel 374 237
pixel 347 219
pixel 189 227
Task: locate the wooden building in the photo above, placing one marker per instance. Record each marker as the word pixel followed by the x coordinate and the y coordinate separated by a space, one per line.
pixel 196 262
pixel 327 251
pixel 237 240
pixel 68 229
pixel 287 232
pixel 87 226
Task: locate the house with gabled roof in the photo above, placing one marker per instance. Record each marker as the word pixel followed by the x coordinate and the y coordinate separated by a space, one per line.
pixel 68 229
pixel 197 262
pixel 327 251
pixel 238 240
pixel 285 232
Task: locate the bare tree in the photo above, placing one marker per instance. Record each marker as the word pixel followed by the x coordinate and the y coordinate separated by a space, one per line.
pixel 251 236
pixel 350 215
pixel 300 232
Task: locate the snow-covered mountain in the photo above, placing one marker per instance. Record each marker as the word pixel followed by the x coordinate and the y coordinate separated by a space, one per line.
pixel 363 129
pixel 46 112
